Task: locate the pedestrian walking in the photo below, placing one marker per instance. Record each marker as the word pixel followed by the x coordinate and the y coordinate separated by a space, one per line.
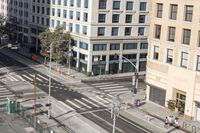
pixel 166 122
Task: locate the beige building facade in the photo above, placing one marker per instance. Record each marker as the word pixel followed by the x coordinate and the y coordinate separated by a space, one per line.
pixel 173 62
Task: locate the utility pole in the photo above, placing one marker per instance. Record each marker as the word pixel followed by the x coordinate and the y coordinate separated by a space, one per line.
pixel 115 111
pixel 35 95
pixel 49 97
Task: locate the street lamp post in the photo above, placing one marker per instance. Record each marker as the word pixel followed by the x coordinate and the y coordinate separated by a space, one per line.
pixel 49 96
pixel 69 56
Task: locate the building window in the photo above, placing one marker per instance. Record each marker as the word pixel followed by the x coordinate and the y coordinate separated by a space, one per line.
pixel 171 34
pixel 47 21
pixel 65 25
pixel 156 53
pixel 78 3
pixel 184 59
pixel 129 5
pixel 188 13
pixel 59 2
pixel 142 6
pixel 114 46
pixel 99 47
pixel 53 11
pixel 53 2
pixel 157 31
pixel 70 27
pixel 127 31
pixel 58 12
pixel 102 4
pixel 198 63
pixel 83 45
pixel 85 3
pixel 130 46
pixel 102 18
pixel 71 2
pixel 116 5
pixel 101 31
pixel 115 31
pixel 173 11
pixel 128 19
pixel 141 31
pixel 64 13
pixel 143 45
pixel 159 10
pixel 85 17
pixel 65 2
pixel 169 56
pixel 77 28
pixel 77 15
pixel 58 23
pixel 84 30
pixel 52 23
pixel 186 36
pixel 115 18
pixel 142 19
pixel 71 14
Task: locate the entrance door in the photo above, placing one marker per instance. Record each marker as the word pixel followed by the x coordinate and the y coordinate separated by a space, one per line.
pixel 180 101
pixel 198 114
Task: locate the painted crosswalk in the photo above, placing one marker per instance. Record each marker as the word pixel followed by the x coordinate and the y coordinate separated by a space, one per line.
pixel 111 88
pixel 4 94
pixel 25 77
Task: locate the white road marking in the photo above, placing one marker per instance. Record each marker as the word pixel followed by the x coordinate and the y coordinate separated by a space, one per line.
pixel 10 78
pixel 67 106
pixel 119 92
pixel 109 100
pixel 20 77
pixel 110 95
pixel 33 76
pixel 102 99
pixel 120 89
pixel 90 102
pixel 42 77
pixel 27 77
pixel 73 104
pixel 104 88
pixel 82 103
pixel 97 101
pixel 100 86
pixel 102 83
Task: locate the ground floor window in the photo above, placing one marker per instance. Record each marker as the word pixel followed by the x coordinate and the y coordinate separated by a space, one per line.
pixel 99 69
pixel 157 95
pixel 180 101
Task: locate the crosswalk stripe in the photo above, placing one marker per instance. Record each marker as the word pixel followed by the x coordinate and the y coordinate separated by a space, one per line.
pixel 120 89
pixel 27 77
pixel 97 101
pixel 82 103
pixel 11 79
pixel 6 95
pixel 33 76
pixel 90 102
pixel 20 77
pixel 110 95
pixel 119 92
pixel 109 100
pixel 100 86
pixel 102 83
pixel 73 104
pixel 42 77
pixel 104 88
pixel 103 100
pixel 66 105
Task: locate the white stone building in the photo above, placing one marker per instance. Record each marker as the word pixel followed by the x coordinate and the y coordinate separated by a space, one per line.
pixel 102 30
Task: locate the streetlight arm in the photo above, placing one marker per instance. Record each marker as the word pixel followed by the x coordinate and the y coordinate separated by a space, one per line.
pixel 130 62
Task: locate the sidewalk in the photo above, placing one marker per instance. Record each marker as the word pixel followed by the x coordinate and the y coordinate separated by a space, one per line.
pixel 148 114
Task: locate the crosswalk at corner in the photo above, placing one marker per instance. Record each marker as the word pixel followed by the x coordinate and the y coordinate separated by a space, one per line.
pixel 111 88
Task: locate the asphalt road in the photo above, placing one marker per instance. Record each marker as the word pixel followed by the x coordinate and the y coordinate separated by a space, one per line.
pixel 63 93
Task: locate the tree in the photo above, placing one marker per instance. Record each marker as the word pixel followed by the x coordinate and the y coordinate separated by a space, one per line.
pixel 5 26
pixel 59 40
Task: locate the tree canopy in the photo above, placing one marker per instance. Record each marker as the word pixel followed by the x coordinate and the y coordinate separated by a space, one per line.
pixel 5 26
pixel 59 40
